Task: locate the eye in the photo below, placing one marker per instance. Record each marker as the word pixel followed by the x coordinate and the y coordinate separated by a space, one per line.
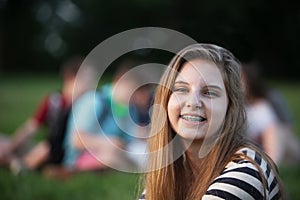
pixel 211 93
pixel 180 90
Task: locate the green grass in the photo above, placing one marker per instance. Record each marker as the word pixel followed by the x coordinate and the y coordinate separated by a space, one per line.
pixel 87 186
pixel 19 95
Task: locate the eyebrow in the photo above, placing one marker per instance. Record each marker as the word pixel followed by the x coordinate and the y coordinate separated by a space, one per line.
pixel 181 82
pixel 206 86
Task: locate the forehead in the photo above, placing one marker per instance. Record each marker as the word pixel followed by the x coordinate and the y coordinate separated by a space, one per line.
pixel 199 70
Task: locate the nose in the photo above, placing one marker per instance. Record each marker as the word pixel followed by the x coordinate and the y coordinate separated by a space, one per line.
pixel 194 101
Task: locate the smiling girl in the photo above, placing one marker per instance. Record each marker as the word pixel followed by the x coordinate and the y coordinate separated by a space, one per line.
pixel 197 147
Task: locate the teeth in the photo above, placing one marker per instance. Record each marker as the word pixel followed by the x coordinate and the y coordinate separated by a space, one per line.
pixel 192 118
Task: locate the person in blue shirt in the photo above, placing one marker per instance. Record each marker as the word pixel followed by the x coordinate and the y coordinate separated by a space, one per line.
pixel 102 126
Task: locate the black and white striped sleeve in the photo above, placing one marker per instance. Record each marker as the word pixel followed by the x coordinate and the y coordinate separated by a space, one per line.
pixel 242 180
pixel 237 182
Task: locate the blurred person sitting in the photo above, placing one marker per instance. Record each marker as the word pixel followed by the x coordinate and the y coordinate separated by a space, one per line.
pixel 108 139
pixel 269 118
pixel 51 113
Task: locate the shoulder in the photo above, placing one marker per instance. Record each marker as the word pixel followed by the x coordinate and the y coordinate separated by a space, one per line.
pixel 51 98
pixel 88 99
pixel 87 96
pixel 244 179
pixel 262 109
pixel 51 101
pixel 260 116
pixel 89 105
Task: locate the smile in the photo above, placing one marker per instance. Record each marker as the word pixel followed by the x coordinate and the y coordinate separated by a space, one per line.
pixel 193 118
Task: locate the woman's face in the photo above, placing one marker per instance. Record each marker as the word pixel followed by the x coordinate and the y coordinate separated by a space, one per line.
pixel 198 103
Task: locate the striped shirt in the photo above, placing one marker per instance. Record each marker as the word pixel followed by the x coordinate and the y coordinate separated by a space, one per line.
pixel 242 180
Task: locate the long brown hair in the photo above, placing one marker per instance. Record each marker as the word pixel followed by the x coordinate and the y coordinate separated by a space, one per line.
pixel 175 180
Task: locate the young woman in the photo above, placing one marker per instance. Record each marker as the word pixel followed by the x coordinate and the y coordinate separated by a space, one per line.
pixel 197 147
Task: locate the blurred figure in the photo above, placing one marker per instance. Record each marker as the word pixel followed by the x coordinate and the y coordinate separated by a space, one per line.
pixel 141 100
pixel 118 107
pixel 51 113
pixel 269 119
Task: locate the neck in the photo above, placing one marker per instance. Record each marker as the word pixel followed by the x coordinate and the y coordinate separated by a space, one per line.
pixel 200 148
pixel 193 148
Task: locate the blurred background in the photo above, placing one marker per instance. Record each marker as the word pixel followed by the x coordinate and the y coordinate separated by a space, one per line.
pixel 37 36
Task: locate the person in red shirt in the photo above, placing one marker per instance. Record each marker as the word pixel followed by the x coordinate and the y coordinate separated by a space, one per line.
pixel 51 113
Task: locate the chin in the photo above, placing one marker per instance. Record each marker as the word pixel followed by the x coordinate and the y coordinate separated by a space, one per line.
pixel 191 136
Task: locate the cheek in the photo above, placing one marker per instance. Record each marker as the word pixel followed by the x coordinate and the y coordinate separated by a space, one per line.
pixel 173 109
pixel 218 112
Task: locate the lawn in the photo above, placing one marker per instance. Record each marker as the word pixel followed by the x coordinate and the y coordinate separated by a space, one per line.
pixel 18 96
pixel 85 186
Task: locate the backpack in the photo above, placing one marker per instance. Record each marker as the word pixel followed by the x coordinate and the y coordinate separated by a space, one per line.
pixel 57 136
